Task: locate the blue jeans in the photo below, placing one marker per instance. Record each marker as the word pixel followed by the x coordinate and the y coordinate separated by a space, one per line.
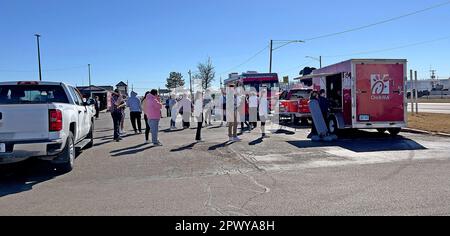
pixel 154 124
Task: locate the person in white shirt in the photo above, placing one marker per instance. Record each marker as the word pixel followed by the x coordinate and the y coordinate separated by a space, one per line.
pixel 198 114
pixel 263 111
pixel 253 108
pixel 208 107
pixel 186 105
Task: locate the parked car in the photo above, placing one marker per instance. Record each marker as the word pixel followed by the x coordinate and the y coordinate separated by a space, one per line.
pixel 44 120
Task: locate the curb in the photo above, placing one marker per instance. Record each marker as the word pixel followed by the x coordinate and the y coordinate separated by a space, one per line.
pixel 418 131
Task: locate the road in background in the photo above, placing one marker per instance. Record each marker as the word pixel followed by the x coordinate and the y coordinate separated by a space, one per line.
pixel 443 108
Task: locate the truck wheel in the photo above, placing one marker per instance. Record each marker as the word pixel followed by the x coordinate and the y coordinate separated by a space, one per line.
pixel 394 131
pixel 68 155
pixel 381 131
pixel 332 126
pixel 304 121
pixel 90 136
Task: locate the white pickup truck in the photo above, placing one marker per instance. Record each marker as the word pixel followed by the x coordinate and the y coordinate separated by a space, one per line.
pixel 43 120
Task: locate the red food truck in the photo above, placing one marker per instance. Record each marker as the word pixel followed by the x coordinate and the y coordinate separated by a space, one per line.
pixel 268 81
pixel 294 103
pixel 364 94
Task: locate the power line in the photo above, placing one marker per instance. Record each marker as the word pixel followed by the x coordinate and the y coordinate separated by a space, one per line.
pixel 392 48
pixel 380 22
pixel 247 61
pixel 47 70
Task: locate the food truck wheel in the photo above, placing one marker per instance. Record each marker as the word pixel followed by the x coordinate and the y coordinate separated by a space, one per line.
pixel 332 126
pixel 382 131
pixel 394 131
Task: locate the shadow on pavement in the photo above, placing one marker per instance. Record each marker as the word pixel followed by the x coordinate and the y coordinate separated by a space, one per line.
pixel 131 151
pixel 171 131
pixel 221 145
pixel 128 148
pixel 363 141
pixel 187 147
pixel 256 141
pixel 21 177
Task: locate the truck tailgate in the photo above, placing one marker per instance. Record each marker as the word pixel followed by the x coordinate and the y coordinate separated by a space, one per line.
pixel 21 122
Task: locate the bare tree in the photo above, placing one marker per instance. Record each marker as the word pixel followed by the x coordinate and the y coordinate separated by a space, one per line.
pixel 206 73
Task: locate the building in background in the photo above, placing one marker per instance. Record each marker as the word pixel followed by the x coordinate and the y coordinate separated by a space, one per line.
pixel 123 88
pixel 97 91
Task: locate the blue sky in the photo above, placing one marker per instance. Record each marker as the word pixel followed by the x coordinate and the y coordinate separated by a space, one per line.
pixel 142 41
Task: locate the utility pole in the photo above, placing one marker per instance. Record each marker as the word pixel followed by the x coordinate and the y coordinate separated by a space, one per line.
pixel 284 43
pixel 90 88
pixel 271 52
pixel 412 90
pixel 415 93
pixel 39 55
pixel 221 84
pixel 317 59
pixel 190 83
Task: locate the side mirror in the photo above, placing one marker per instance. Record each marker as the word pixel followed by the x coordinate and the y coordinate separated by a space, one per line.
pixel 89 102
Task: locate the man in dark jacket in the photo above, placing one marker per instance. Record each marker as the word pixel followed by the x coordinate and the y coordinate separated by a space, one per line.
pixel 324 104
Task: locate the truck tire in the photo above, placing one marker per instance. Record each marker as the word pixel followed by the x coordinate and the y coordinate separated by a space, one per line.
pixel 381 131
pixel 295 120
pixel 394 131
pixel 90 136
pixel 68 155
pixel 333 126
pixel 304 121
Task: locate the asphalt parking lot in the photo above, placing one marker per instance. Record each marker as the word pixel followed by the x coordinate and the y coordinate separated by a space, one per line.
pixel 363 173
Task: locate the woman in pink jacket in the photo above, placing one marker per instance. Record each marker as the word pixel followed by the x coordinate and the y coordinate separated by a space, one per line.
pixel 152 109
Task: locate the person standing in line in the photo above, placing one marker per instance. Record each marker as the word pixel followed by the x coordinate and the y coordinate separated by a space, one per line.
pixel 97 107
pixel 208 105
pixel 116 113
pixel 172 102
pixel 153 111
pixel 135 112
pixel 186 105
pixel 263 111
pixel 253 109
pixel 168 107
pixel 241 106
pixel 231 114
pixel 144 107
pixel 122 121
pixel 198 114
pixel 175 110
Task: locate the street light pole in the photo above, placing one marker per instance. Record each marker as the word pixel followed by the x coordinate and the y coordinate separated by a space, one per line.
pixel 271 52
pixel 90 88
pixel 271 49
pixel 39 56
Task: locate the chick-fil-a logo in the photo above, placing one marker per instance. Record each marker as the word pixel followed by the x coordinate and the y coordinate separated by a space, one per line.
pixel 380 86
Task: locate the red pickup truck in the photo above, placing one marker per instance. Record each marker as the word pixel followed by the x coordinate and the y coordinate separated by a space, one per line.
pixel 294 104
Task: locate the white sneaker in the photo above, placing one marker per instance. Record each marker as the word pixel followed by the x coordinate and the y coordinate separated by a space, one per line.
pixel 236 139
pixel 231 139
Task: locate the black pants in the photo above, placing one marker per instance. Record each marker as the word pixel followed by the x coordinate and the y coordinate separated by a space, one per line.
pixel 117 118
pixel 147 128
pixel 169 113
pixel 97 112
pixel 198 136
pixel 136 117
